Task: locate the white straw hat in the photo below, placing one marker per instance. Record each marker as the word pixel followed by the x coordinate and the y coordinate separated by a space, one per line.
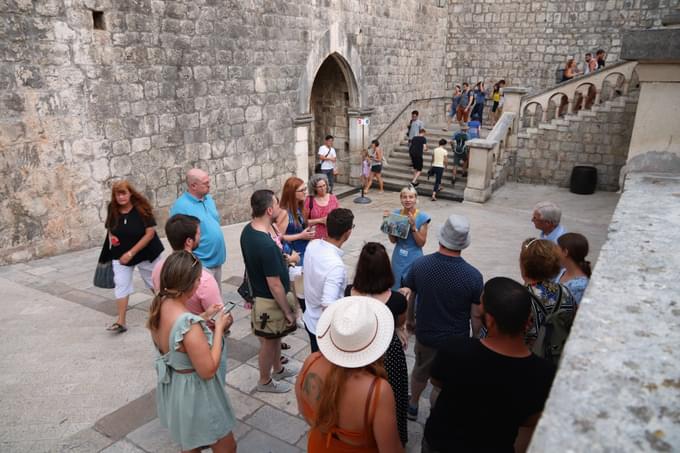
pixel 355 331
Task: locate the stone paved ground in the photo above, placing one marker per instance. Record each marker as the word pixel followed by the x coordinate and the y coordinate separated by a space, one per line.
pixel 68 385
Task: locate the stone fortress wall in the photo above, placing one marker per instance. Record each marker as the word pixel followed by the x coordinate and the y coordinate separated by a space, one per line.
pixel 168 85
pixel 173 84
pixel 526 42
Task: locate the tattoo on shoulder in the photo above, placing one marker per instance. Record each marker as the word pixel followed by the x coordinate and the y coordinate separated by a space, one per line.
pixel 312 386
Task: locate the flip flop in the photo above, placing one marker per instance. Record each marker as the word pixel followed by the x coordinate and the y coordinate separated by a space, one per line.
pixel 285 346
pixel 284 360
pixel 116 328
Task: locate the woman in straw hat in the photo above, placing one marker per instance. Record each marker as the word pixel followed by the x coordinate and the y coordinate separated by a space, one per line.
pixel 342 390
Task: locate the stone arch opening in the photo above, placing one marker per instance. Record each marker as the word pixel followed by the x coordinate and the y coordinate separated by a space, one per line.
pixel 332 95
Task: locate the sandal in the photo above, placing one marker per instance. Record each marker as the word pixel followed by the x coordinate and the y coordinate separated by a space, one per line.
pixel 117 328
pixel 284 360
pixel 285 346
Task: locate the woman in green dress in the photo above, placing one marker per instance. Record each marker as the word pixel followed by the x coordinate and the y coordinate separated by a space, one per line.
pixel 190 398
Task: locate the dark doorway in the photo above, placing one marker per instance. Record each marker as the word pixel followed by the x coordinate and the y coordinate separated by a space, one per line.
pixel 329 103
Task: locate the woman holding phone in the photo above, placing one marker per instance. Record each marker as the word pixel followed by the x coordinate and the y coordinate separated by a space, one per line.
pixel 190 398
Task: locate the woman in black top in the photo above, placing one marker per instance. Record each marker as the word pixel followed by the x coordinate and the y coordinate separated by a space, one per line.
pixel 374 278
pixel 133 241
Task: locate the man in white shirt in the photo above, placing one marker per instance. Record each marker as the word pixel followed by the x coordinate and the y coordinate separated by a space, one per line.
pixel 328 157
pixel 325 274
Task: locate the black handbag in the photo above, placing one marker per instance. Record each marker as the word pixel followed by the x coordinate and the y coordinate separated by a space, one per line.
pixel 244 290
pixel 103 274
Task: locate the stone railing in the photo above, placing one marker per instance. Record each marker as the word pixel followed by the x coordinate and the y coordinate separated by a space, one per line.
pixel 581 92
pixel 490 157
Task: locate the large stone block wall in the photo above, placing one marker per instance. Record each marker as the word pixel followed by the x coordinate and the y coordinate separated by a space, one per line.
pixel 526 41
pixel 600 138
pixel 173 84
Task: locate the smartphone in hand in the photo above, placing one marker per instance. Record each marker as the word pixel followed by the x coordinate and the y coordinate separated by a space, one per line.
pixel 229 306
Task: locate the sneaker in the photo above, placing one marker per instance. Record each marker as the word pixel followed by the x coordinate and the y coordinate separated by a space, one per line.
pixel 274 387
pixel 412 413
pixel 415 184
pixel 286 371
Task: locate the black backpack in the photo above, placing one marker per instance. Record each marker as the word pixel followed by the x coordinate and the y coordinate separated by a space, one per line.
pixel 553 333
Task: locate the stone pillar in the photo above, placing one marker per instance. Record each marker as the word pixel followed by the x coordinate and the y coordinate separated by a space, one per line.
pixel 513 103
pixel 301 124
pixel 359 138
pixel 480 169
pixel 655 141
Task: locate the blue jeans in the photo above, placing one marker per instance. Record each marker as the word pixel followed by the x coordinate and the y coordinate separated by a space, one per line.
pixel 329 176
pixel 438 172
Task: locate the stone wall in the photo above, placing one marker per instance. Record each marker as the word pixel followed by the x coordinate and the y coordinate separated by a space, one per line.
pixel 168 85
pixel 599 137
pixel 525 42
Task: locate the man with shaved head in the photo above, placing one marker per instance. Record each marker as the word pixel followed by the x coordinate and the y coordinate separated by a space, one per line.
pixel 197 202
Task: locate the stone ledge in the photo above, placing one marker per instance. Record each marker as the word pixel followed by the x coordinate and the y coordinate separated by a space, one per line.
pixel 617 386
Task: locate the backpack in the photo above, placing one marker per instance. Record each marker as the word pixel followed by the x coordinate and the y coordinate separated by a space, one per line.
pixel 460 148
pixel 553 333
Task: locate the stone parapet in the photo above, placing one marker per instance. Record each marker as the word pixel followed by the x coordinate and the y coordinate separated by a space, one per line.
pixel 617 384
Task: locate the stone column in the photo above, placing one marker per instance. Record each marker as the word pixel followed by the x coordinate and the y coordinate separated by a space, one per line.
pixel 480 169
pixel 301 124
pixel 359 138
pixel 513 103
pixel 655 141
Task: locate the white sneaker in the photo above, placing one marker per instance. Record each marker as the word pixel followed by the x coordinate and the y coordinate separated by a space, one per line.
pixel 274 386
pixel 287 371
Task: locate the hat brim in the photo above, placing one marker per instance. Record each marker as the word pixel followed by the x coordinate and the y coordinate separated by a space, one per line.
pixel 366 356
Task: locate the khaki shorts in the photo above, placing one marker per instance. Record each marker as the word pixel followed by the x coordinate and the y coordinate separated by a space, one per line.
pixel 268 321
pixel 424 360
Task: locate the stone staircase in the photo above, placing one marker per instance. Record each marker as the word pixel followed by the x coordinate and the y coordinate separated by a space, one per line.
pixel 398 173
pixel 597 137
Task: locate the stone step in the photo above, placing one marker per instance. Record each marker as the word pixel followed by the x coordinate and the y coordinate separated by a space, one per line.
pixel 424 189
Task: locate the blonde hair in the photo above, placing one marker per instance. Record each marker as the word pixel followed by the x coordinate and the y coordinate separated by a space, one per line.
pixel 178 275
pixel 408 189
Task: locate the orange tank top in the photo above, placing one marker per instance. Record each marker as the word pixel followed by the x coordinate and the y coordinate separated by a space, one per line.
pixel 329 442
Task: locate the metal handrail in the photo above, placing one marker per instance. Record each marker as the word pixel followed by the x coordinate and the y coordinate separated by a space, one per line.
pixel 413 101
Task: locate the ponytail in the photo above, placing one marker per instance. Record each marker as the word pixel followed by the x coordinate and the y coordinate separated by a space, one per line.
pixel 586 268
pixel 154 313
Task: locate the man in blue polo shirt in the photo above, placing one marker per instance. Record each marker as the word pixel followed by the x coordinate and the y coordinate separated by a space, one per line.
pixel 197 202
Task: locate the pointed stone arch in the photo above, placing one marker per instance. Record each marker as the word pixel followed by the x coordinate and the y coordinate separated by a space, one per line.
pixel 337 48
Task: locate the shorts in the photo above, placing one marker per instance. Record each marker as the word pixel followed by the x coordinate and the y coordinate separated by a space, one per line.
pixel 267 319
pixel 458 158
pixel 122 276
pixel 495 106
pixel 417 161
pixel 424 360
pixel 462 115
pixel 376 168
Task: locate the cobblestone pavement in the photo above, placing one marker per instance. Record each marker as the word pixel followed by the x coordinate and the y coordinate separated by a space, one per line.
pixel 68 385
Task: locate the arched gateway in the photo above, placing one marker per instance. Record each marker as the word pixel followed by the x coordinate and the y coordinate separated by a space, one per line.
pixel 331 100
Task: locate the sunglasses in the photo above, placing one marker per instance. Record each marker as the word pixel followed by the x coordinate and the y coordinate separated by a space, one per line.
pixel 528 244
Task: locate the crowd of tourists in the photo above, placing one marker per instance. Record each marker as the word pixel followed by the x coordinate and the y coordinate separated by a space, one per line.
pixel 501 337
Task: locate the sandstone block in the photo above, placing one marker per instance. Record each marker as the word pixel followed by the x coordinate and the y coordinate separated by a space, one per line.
pixel 141 144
